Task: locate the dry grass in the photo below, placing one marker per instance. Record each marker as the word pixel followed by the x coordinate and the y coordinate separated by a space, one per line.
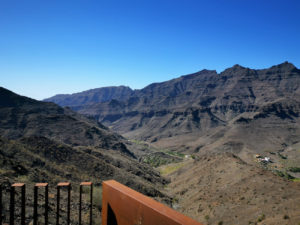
pixel 170 168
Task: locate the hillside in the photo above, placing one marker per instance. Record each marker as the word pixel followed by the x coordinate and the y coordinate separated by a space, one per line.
pixel 226 124
pixel 92 96
pixel 223 189
pixel 42 142
pixel 191 107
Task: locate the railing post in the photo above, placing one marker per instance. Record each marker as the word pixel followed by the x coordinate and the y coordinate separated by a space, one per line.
pixel 0 205
pixel 23 205
pixel 80 199
pixel 12 206
pixel 68 185
pixel 12 203
pixel 46 204
pixel 35 205
pixel 91 200
pixel 91 204
pixel 57 204
pixel 69 204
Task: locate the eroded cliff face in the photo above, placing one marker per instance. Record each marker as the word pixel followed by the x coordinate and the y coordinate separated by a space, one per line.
pixel 92 96
pixel 195 104
pixel 222 121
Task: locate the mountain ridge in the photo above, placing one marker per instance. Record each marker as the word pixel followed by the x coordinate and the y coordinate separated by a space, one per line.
pixel 222 125
pixel 91 96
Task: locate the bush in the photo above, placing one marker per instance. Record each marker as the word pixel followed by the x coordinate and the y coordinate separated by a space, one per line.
pixel 286 217
pixel 284 174
pixel 261 218
pixel 294 169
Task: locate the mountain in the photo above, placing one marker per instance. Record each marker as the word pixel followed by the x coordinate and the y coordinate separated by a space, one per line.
pixel 237 131
pixel 92 96
pixel 22 117
pixel 42 142
pixel 191 106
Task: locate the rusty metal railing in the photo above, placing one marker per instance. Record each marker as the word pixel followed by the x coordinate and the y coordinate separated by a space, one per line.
pixel 12 202
pixel 120 206
pixel 124 206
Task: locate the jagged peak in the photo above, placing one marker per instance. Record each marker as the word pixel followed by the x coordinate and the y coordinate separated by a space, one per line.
pixel 238 66
pixel 285 65
pixel 234 68
pixel 201 72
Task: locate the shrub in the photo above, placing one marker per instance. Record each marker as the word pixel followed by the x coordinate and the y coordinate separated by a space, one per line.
pixel 294 169
pixel 284 174
pixel 261 218
pixel 286 217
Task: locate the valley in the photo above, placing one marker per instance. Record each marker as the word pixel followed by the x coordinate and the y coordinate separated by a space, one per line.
pixel 222 148
pixel 42 142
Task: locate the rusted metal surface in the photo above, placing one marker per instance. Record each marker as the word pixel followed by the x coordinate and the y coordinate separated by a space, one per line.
pixel 124 206
pixel 35 204
pixel 12 203
pixel 59 186
pixel 82 184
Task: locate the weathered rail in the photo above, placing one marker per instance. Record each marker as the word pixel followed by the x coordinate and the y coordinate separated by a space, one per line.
pixel 120 206
pixel 16 186
pixel 124 206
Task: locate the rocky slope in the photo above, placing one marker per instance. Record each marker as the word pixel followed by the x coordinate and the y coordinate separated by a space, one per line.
pixel 191 106
pixel 22 117
pixel 42 142
pixel 227 123
pixel 223 189
pixel 92 96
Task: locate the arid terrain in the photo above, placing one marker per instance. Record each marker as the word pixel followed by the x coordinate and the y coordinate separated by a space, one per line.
pixel 233 138
pixel 222 148
pixel 42 142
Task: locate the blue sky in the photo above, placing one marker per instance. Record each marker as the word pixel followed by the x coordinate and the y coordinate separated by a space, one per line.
pixel 51 47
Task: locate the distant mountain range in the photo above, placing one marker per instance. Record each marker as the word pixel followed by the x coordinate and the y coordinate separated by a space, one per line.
pixel 197 109
pixel 224 121
pixel 214 127
pixel 92 96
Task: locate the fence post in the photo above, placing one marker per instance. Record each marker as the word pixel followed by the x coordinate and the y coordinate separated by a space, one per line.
pixel 35 205
pixel 46 204
pixel 57 205
pixel 68 185
pixel 91 200
pixel 0 205
pixel 12 206
pixel 12 203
